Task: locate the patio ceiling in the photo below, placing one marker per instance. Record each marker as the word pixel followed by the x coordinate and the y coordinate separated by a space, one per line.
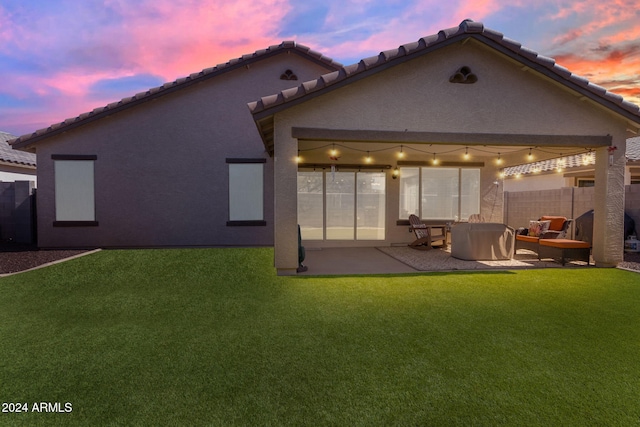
pixel 356 147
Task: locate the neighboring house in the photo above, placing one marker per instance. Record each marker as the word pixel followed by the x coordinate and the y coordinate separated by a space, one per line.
pixel 468 91
pixel 567 171
pixel 349 154
pixel 15 165
pixel 178 165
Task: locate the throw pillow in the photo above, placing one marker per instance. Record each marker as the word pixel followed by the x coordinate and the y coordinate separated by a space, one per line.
pixel 538 228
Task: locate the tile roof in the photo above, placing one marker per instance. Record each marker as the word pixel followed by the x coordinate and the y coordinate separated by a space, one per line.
pixel 285 46
pixel 633 149
pixel 567 162
pixel 268 105
pixel 9 155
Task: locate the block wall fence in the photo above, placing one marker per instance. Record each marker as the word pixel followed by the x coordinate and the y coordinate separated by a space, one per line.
pixel 571 202
pixel 17 212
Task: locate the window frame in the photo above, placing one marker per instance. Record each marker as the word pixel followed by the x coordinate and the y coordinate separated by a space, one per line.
pixel 358 233
pixel 66 222
pixel 420 189
pixel 245 223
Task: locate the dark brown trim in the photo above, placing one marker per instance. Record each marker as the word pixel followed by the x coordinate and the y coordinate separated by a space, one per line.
pixel 458 138
pixel 75 223
pixel 183 82
pixel 342 166
pixel 74 157
pixel 233 160
pixel 429 163
pixel 464 37
pixel 246 223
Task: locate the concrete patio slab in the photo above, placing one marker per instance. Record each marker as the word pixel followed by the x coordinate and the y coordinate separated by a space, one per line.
pixel 339 261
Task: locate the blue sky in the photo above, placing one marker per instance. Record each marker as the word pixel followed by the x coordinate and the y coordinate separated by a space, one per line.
pixel 60 58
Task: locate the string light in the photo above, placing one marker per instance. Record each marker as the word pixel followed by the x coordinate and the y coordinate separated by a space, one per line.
pixel 560 164
pixel 396 173
pixel 582 157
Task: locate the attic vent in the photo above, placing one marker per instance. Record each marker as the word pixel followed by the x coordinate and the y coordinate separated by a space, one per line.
pixel 464 76
pixel 288 75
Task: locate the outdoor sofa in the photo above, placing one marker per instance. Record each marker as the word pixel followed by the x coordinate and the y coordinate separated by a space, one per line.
pixel 547 227
pixel 548 238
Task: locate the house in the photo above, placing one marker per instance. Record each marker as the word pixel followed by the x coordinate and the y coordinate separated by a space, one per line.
pixel 346 152
pixel 443 115
pixel 177 165
pixel 15 165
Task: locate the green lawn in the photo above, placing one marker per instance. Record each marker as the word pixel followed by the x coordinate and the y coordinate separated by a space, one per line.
pixel 213 337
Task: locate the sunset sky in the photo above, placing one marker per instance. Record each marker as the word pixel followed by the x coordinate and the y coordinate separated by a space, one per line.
pixel 60 58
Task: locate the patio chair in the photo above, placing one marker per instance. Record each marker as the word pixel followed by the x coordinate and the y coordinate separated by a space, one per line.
pixel 426 234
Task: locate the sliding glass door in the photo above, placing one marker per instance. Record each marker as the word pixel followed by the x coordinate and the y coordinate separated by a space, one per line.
pixel 342 205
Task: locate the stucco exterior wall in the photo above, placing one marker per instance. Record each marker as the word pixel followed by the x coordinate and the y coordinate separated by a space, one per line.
pixel 417 96
pixel 161 177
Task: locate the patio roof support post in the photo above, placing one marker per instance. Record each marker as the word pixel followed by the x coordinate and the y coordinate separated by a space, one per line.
pixel 285 202
pixel 608 221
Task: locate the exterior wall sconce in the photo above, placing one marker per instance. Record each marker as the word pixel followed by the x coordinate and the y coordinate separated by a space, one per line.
pixel 396 173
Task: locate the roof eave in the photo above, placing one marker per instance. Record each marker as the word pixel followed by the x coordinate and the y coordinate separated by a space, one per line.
pixel 168 88
pixel 464 37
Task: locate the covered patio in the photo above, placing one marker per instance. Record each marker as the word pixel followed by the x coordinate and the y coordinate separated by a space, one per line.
pixel 426 129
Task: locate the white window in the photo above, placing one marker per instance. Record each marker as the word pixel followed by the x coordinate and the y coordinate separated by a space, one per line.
pixel 246 196
pixel 311 205
pixel 342 205
pixel 439 193
pixel 409 192
pixel 74 189
pixel 371 190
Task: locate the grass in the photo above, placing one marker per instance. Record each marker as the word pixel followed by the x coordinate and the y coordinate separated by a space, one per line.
pixel 213 337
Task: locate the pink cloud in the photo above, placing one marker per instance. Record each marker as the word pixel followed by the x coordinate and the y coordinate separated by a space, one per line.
pixel 194 37
pixel 617 70
pixel 6 28
pixel 600 19
pixel 152 37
